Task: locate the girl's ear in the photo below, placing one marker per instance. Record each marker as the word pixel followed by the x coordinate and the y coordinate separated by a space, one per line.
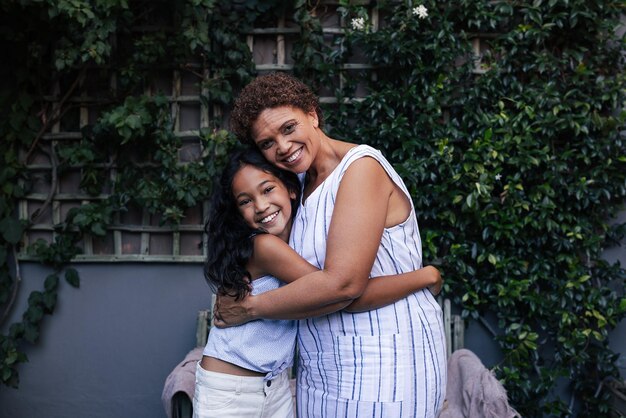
pixel 292 195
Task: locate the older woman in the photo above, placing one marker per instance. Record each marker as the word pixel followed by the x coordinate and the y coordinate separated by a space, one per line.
pixel 355 221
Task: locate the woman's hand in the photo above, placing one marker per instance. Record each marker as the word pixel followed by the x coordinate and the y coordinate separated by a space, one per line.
pixel 228 312
pixel 437 284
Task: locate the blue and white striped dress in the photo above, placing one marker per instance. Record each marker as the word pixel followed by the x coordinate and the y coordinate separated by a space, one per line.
pixel 388 362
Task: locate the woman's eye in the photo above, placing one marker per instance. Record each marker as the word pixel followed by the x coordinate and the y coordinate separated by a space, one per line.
pixel 266 145
pixel 269 189
pixel 290 128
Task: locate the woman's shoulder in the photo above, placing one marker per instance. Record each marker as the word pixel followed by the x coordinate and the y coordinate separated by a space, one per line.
pixel 362 150
pixel 348 149
pixel 356 159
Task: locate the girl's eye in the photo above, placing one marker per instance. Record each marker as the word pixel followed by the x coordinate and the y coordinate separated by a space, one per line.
pixel 265 145
pixel 268 189
pixel 244 202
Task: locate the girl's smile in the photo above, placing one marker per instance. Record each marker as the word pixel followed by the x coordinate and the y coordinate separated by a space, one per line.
pixel 263 201
pixel 269 218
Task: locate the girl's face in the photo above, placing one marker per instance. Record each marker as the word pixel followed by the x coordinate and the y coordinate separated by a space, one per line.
pixel 287 137
pixel 263 200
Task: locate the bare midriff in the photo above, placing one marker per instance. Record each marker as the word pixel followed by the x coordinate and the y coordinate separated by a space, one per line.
pixel 219 366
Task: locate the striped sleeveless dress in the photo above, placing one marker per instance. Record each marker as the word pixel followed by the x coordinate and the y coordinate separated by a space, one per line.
pixel 388 362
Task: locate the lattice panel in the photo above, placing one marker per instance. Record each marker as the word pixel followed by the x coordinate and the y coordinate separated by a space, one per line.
pixel 137 235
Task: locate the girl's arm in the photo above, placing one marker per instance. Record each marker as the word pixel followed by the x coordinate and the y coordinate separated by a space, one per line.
pixel 355 232
pixel 273 256
pixel 385 290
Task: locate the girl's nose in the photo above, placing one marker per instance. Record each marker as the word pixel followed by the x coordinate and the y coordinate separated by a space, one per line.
pixel 261 205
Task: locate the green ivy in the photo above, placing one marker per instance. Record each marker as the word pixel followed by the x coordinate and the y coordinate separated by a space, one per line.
pixel 516 171
pixel 516 163
pixel 51 42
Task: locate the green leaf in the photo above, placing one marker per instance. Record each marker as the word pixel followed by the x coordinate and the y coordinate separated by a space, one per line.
pixel 97 229
pixel 11 230
pixel 71 276
pixel 10 358
pixel 31 333
pixel 51 283
pixel 50 301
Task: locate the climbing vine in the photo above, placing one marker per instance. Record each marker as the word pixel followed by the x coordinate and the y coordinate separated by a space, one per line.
pixel 515 160
pixel 505 118
pixel 53 49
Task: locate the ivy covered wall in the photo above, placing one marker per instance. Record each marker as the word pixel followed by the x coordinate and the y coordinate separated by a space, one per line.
pixel 505 118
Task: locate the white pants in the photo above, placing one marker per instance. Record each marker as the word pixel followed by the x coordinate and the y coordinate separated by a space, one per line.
pixel 227 396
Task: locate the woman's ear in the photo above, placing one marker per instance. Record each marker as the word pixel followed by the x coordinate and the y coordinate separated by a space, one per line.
pixel 292 195
pixel 313 118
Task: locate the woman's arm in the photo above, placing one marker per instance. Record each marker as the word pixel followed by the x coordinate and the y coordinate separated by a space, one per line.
pixel 354 236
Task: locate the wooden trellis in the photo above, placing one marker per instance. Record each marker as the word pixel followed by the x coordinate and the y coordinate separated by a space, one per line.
pixel 137 235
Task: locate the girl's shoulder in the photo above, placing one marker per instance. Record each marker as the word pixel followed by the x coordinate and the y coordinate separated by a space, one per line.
pixel 273 256
pixel 265 241
pixel 267 248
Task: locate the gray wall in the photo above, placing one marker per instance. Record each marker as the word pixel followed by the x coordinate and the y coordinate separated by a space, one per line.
pixel 110 345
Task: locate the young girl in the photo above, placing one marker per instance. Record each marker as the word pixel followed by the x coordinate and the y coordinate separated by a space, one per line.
pixel 243 370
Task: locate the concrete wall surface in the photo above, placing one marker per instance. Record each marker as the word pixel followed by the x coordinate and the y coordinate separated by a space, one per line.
pixel 109 346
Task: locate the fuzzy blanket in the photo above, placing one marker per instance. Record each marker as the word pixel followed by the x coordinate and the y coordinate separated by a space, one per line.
pixel 473 391
pixel 181 380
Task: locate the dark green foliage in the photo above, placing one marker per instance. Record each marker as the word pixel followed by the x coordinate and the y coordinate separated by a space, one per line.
pixel 46 43
pixel 516 163
pixel 516 172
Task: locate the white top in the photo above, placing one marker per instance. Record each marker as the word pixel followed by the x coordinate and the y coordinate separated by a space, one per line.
pixel 265 346
pixel 387 362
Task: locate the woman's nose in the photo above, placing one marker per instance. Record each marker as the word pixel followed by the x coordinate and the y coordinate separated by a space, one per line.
pixel 282 145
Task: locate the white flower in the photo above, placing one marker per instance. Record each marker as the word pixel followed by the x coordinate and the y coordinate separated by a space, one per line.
pixel 498 176
pixel 420 11
pixel 358 23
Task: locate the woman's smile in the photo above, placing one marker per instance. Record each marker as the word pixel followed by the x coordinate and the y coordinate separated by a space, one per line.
pixel 294 156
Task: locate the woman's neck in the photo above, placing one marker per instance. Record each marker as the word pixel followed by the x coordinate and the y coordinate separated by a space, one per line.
pixel 328 157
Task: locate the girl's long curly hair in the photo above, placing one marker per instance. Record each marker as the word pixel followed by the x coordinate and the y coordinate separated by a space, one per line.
pixel 230 243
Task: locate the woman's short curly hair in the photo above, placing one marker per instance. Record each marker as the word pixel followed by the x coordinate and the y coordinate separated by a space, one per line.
pixel 266 92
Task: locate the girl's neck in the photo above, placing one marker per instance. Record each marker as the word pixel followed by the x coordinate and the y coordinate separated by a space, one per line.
pixel 287 231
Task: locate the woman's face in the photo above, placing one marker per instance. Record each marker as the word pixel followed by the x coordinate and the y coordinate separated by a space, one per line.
pixel 287 137
pixel 263 201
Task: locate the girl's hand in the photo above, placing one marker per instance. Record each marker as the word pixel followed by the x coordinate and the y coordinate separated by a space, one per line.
pixel 228 312
pixel 437 284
